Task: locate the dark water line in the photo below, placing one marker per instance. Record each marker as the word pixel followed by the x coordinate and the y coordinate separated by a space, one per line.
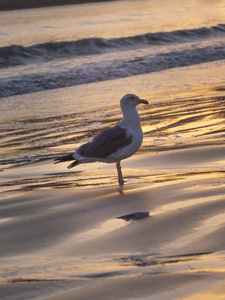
pixel 24 4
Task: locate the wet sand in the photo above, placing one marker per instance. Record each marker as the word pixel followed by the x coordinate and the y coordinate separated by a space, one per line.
pixel 161 236
pixel 77 235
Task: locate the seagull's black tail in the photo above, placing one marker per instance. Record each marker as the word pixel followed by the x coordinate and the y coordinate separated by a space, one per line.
pixel 64 158
pixel 73 164
pixel 67 157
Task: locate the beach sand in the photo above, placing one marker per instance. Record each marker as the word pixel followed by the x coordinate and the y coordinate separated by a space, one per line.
pixel 78 235
pixel 161 237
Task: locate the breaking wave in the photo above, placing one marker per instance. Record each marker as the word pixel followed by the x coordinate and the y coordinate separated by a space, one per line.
pixel 96 71
pixel 15 55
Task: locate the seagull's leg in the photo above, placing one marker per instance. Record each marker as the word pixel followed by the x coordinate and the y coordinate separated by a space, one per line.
pixel 120 176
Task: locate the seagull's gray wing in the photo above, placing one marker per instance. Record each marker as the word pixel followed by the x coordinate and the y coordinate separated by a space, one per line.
pixel 106 143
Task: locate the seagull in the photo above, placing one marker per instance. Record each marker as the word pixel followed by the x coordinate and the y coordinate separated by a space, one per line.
pixel 113 144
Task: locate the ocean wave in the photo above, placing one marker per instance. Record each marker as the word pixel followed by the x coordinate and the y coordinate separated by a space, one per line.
pixel 121 68
pixel 15 55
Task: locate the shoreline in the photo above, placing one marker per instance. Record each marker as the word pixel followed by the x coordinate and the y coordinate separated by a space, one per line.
pixel 162 166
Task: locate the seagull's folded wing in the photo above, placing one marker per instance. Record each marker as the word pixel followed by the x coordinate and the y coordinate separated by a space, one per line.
pixel 106 143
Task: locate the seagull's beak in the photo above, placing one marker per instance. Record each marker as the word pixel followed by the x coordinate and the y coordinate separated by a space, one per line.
pixel 143 101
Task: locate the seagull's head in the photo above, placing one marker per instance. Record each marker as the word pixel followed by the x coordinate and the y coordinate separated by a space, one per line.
pixel 132 100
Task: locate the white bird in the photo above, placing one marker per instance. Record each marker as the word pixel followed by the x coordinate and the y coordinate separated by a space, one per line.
pixel 113 144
